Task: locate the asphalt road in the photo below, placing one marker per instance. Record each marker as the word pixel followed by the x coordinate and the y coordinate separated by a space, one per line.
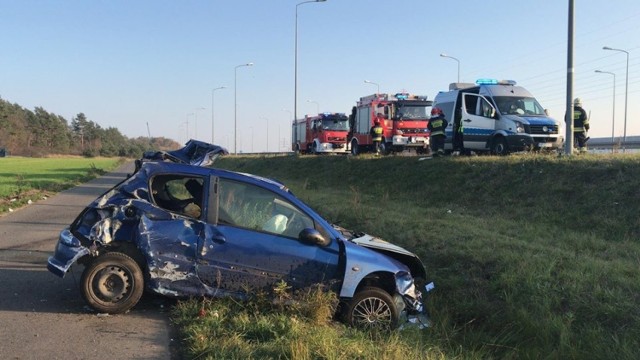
pixel 45 317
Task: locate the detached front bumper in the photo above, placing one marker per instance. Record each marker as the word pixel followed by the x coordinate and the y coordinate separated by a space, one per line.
pixel 68 251
pixel 410 301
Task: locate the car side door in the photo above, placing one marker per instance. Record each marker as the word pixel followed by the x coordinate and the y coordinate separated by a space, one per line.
pixel 252 242
pixel 478 121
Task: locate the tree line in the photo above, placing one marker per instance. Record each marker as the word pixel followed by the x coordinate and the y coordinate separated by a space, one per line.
pixel 38 133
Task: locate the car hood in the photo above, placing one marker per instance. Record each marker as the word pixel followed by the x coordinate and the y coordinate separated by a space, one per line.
pixel 194 152
pixel 377 244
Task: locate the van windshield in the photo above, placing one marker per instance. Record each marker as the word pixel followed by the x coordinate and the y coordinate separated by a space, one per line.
pixel 514 105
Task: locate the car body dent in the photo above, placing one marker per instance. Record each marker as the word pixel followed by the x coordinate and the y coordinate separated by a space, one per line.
pixel 67 252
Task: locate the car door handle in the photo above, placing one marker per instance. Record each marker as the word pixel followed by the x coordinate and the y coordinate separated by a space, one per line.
pixel 467 120
pixel 219 239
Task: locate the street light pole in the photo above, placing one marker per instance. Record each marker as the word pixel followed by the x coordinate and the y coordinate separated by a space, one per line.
pixel 626 91
pixel 317 105
pixel 290 122
pixel 376 84
pixel 235 106
pixel 456 59
pixel 295 66
pixel 213 107
pixel 613 122
pixel 267 132
pixel 187 122
pixel 195 135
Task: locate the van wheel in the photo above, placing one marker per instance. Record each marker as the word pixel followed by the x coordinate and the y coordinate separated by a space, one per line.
pixel 112 283
pixel 354 148
pixel 372 308
pixel 499 146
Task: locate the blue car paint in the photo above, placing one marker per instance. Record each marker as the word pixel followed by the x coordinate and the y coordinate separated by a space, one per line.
pixel 191 257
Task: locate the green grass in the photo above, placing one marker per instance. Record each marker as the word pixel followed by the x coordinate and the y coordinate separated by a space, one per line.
pixel 533 256
pixel 23 179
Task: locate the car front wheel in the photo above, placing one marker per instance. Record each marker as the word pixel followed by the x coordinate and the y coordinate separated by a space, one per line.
pixel 372 308
pixel 112 283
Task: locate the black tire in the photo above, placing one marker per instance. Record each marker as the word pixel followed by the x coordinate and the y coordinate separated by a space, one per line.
pixel 372 308
pixel 314 149
pixel 354 148
pixel 499 146
pixel 112 283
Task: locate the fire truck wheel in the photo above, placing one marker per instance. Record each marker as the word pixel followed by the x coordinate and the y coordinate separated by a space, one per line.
pixel 314 149
pixel 354 148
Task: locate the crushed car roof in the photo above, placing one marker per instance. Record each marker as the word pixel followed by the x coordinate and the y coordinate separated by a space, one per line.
pixel 194 152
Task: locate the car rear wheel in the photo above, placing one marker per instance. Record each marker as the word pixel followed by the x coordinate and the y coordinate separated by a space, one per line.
pixel 372 308
pixel 112 283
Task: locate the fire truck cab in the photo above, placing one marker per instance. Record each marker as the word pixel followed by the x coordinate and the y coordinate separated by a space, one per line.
pixel 403 117
pixel 324 133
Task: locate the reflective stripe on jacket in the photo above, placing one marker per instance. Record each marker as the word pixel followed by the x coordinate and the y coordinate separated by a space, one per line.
pixel 437 126
pixel 580 120
pixel 376 133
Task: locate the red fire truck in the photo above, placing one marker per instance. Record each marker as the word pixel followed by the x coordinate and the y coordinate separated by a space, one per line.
pixel 404 118
pixel 324 133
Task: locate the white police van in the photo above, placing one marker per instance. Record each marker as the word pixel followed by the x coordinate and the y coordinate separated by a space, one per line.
pixel 497 116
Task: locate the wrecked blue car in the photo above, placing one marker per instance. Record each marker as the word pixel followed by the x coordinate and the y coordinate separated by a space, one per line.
pixel 181 230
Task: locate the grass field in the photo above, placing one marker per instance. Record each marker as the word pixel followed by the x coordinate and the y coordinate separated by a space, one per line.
pixel 23 179
pixel 533 257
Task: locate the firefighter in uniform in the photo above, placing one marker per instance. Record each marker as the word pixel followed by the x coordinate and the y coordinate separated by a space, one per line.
pixel 376 135
pixel 580 125
pixel 437 124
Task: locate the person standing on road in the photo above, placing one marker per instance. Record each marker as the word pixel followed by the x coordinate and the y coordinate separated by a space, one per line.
pixel 436 126
pixel 580 125
pixel 376 135
pixel 458 134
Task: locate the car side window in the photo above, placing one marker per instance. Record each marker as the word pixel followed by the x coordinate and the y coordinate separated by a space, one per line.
pixel 178 193
pixel 252 207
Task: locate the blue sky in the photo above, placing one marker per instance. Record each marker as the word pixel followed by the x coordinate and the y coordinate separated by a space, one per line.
pixel 128 63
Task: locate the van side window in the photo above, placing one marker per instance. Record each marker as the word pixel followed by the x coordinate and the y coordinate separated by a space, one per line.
pixel 486 109
pixel 470 103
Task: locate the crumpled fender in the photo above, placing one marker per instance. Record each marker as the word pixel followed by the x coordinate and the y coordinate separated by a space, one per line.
pixel 361 262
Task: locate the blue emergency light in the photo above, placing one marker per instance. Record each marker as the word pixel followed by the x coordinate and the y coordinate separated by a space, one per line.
pixel 402 96
pixel 494 82
pixel 486 82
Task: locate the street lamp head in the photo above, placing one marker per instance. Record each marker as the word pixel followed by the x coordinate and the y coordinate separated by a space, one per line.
pixel 321 0
pixel 249 64
pixel 606 48
pixel 444 55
